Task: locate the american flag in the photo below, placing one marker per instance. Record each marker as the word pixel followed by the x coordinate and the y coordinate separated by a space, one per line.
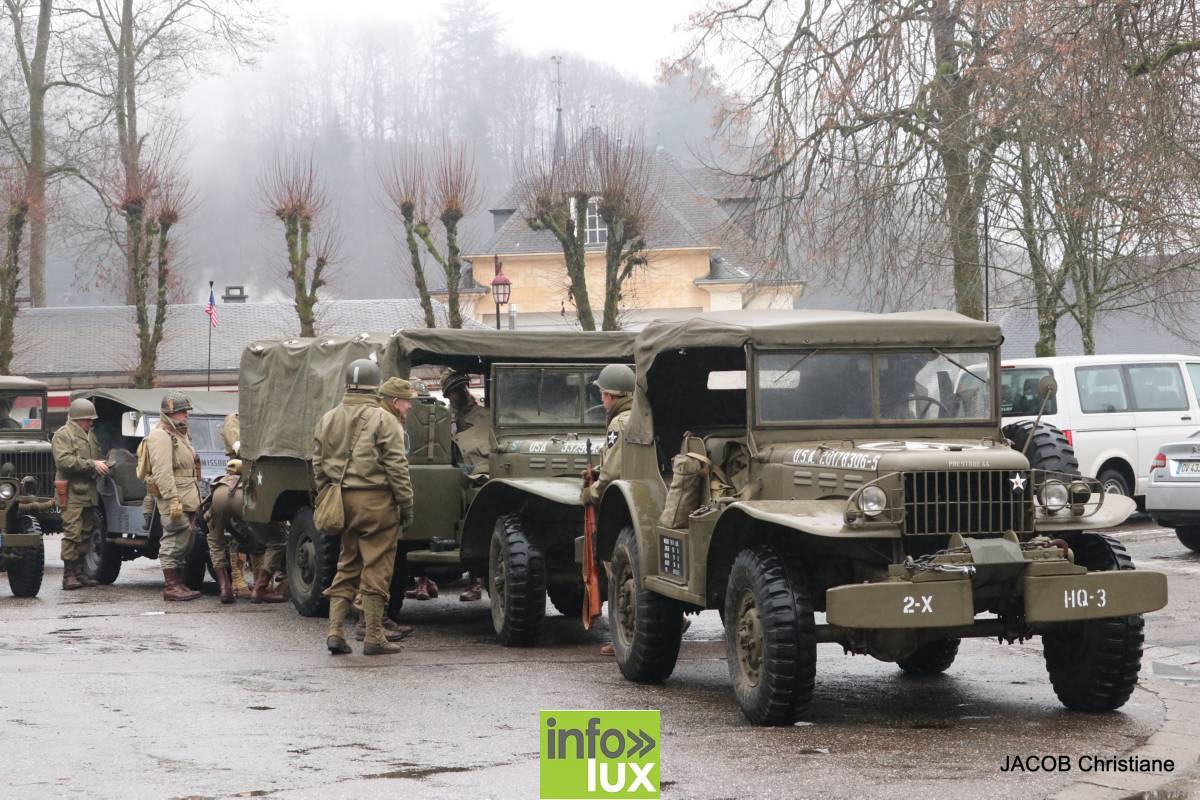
pixel 211 307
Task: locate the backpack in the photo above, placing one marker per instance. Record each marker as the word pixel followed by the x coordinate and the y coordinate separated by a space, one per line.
pixel 144 471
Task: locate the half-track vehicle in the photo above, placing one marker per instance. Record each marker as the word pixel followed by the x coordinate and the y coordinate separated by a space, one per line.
pixel 119 531
pixel 860 471
pixel 27 503
pixel 517 523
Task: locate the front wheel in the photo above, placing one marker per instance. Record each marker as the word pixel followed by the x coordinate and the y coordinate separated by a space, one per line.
pixel 1189 537
pixel 646 626
pixel 26 570
pixel 311 564
pixel 516 582
pixel 1113 482
pixel 771 638
pixel 103 560
pixel 1094 664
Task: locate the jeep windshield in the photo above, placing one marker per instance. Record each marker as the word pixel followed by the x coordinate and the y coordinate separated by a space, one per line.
pixel 847 387
pixel 553 396
pixel 21 412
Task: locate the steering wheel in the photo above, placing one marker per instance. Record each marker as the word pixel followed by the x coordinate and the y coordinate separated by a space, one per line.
pixel 931 401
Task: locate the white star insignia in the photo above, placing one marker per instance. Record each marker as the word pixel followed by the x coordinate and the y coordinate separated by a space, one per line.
pixel 612 438
pixel 1018 482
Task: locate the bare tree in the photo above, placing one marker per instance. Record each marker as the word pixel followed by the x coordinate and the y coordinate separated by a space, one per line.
pixel 15 194
pixel 453 193
pixel 404 182
pixel 625 202
pixel 297 198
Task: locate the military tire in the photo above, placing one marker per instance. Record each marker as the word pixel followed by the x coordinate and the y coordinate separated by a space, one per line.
pixel 1049 450
pixel 103 561
pixel 568 598
pixel 646 627
pixel 1094 664
pixel 516 582
pixel 311 564
pixel 931 658
pixel 1189 536
pixel 197 562
pixel 399 583
pixel 25 572
pixel 770 636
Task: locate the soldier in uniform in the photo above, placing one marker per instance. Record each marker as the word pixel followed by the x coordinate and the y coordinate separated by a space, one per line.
pixel 176 472
pixel 472 430
pixel 360 446
pixel 77 461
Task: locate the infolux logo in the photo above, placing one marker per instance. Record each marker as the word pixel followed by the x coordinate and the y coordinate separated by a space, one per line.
pixel 609 754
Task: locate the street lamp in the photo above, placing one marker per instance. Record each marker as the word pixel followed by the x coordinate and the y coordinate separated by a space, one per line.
pixel 501 288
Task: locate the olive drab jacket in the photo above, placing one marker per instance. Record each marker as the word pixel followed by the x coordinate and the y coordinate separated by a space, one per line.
pixel 74 452
pixel 610 452
pixel 473 435
pixel 364 444
pixel 175 467
pixel 231 432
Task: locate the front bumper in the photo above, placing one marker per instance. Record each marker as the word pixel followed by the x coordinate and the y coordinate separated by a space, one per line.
pixel 1175 503
pixel 944 602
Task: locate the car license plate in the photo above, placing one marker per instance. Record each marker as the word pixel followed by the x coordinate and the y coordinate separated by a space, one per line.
pixel 1189 468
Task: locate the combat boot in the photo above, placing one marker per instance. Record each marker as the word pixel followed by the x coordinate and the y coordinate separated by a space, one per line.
pixel 237 575
pixel 224 584
pixel 173 587
pixel 71 575
pixel 473 592
pixel 376 643
pixel 81 573
pixel 262 591
pixel 335 639
pixel 392 631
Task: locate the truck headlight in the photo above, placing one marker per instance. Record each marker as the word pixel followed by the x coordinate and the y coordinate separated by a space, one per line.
pixel 1055 496
pixel 872 501
pixel 8 490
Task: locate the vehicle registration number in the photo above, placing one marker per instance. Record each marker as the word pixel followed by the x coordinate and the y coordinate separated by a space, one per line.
pixel 1082 598
pixel 1189 468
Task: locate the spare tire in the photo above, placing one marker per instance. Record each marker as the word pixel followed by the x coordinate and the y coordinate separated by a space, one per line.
pixel 1049 449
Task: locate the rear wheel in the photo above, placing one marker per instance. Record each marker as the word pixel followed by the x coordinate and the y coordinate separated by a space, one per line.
pixel 770 636
pixel 646 626
pixel 26 570
pixel 103 560
pixel 931 658
pixel 1094 664
pixel 311 564
pixel 1189 536
pixel 1115 482
pixel 516 582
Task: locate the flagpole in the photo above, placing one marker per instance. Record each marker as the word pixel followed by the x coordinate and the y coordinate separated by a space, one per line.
pixel 210 327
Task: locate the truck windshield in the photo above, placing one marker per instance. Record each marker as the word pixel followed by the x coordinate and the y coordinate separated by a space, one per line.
pixel 22 412
pixel 547 396
pixel 917 385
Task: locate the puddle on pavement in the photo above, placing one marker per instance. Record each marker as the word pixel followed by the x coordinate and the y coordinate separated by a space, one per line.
pixel 416 771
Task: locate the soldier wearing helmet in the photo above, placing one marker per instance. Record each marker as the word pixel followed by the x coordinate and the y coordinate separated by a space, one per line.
pixel 175 469
pixel 472 426
pixel 78 464
pixel 360 447
pixel 615 383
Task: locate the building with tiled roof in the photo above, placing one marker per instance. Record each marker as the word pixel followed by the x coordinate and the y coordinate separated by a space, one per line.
pixel 699 259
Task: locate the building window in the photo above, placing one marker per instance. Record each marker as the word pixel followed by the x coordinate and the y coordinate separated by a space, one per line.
pixel 596 232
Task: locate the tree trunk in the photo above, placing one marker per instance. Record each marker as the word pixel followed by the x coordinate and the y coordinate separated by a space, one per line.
pixel 128 141
pixel 414 254
pixel 10 281
pixel 453 268
pixel 37 157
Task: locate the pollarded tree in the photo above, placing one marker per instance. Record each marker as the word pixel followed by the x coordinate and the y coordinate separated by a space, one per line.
pixel 16 201
pixel 404 181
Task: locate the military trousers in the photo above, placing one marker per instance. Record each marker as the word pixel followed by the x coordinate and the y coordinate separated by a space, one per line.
pixel 368 555
pixel 225 500
pixel 77 529
pixel 176 541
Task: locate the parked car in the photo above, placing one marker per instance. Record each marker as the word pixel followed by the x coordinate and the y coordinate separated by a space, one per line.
pixel 1117 411
pixel 126 416
pixel 1173 497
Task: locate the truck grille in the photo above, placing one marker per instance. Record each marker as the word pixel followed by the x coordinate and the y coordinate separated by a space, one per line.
pixel 967 502
pixel 39 464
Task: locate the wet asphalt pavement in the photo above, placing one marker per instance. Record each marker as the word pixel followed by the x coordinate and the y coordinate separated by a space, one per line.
pixel 110 692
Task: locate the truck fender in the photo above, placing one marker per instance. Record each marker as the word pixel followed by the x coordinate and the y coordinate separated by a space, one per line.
pixel 505 495
pixel 638 503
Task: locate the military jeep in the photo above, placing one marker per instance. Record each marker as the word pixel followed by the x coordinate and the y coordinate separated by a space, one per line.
pixel 27 505
pixel 861 472
pixel 517 523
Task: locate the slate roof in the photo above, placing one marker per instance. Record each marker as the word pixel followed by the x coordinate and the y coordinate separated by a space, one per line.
pixel 64 342
pixel 1116 333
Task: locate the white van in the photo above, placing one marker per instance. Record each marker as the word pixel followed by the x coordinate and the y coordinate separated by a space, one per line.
pixel 1115 410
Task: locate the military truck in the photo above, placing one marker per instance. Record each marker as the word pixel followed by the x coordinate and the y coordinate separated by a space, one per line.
pixel 27 504
pixel 119 531
pixel 858 469
pixel 517 523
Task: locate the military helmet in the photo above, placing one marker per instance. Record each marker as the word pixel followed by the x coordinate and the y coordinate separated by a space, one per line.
pixel 455 380
pixel 397 388
pixel 615 379
pixel 81 408
pixel 362 375
pixel 175 401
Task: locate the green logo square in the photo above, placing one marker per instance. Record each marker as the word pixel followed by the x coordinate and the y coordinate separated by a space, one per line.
pixel 608 754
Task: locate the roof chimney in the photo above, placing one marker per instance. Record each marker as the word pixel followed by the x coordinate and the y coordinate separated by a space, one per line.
pixel 234 294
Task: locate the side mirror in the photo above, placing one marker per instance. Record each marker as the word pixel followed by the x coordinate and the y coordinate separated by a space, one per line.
pixel 1047 387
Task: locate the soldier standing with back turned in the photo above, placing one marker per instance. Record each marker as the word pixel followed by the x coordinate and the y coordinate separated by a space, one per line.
pixel 77 461
pixel 176 473
pixel 361 446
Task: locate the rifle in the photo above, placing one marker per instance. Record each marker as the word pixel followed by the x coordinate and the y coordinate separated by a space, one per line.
pixel 591 576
